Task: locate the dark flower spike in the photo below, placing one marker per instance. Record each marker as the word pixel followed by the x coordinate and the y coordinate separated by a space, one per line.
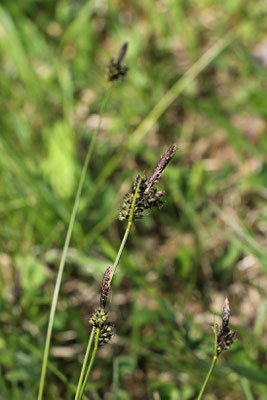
pixel 225 336
pixel 225 314
pixel 115 69
pixel 147 196
pixel 99 321
pixel 164 160
pixel 122 52
pixel 105 288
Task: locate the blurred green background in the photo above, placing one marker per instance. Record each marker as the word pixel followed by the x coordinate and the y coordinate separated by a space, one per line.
pixel 208 240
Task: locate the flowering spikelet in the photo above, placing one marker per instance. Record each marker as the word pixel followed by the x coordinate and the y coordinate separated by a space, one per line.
pixel 128 199
pixel 115 69
pixel 98 319
pixel 106 333
pixel 105 288
pixel 147 196
pixel 225 335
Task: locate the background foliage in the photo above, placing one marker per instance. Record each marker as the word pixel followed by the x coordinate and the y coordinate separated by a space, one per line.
pixel 209 239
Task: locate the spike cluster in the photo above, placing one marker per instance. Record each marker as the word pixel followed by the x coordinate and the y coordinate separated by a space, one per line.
pixel 106 333
pixel 115 69
pixel 100 318
pixel 147 196
pixel 225 335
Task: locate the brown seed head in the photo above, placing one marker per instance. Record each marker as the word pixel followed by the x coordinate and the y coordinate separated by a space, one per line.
pixel 161 165
pixel 122 52
pixel 225 335
pixel 225 314
pixel 115 69
pixel 105 287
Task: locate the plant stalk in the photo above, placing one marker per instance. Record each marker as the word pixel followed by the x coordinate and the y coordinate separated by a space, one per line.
pixel 80 389
pixel 214 360
pixel 77 395
pixel 90 364
pixel 65 250
pixel 129 225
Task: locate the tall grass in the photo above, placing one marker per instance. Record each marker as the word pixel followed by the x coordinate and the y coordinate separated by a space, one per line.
pixel 142 196
pixel 65 250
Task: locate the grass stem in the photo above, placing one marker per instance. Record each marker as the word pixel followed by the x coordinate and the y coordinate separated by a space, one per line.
pixel 80 389
pixel 77 395
pixel 65 250
pixel 90 364
pixel 129 225
pixel 214 360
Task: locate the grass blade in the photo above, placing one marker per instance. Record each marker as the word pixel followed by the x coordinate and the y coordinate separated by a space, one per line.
pixel 64 253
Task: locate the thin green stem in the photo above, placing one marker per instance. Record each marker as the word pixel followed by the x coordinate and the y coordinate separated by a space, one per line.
pixel 90 364
pixel 214 360
pixel 80 389
pixel 207 378
pixel 124 239
pixel 129 225
pixel 65 250
pixel 77 395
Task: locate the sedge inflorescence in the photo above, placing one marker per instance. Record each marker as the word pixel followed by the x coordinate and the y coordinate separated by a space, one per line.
pixel 115 70
pixel 225 335
pixel 100 318
pixel 148 196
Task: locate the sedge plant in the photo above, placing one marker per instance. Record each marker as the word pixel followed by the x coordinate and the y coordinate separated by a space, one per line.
pixel 143 196
pixel 115 71
pixel 223 338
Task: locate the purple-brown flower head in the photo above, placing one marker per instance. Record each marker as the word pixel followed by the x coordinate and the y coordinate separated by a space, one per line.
pixel 161 165
pixel 115 69
pixel 105 287
pixel 225 336
pixel 147 196
pixel 99 319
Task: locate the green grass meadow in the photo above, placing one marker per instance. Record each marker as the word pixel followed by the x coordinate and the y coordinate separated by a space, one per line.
pixel 197 78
